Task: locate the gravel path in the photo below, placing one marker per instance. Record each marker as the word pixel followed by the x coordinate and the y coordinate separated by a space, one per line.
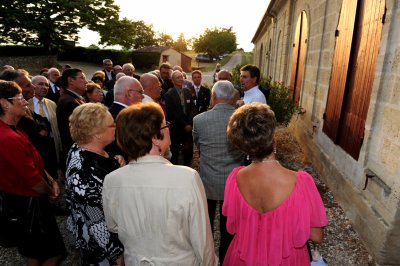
pixel 341 245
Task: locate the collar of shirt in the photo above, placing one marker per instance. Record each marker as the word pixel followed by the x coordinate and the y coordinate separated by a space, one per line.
pixel 51 85
pixel 124 105
pixel 147 99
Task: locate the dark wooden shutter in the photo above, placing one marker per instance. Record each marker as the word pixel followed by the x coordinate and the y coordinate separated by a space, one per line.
pixel 341 58
pixel 366 45
pixel 298 57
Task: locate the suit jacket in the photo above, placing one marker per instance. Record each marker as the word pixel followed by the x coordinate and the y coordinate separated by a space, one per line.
pixel 33 125
pixel 66 104
pixel 165 86
pixel 54 96
pixel 107 79
pixel 179 115
pixel 113 148
pixel 217 156
pixel 115 108
pixel 202 99
pixel 51 110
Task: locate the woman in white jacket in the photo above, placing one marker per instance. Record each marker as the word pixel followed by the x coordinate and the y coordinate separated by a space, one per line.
pixel 158 209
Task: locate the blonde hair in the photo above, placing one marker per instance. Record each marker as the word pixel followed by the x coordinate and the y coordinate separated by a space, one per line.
pixel 86 121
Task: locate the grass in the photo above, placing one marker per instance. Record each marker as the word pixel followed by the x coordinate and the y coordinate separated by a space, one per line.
pixel 206 67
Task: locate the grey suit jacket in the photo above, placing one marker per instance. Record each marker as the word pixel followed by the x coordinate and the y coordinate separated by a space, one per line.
pixel 51 110
pixel 217 156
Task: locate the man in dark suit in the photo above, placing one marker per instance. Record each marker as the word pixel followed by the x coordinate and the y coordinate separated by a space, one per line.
pixel 54 91
pixel 108 70
pixel 203 94
pixel 165 78
pixel 127 91
pixel 73 81
pixel 180 111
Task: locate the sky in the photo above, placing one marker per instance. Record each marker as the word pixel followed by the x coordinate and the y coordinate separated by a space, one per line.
pixel 192 18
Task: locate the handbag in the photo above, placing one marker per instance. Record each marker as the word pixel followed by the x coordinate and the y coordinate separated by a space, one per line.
pixel 12 210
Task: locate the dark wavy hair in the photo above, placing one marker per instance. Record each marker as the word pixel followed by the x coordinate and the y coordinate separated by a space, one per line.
pixel 251 129
pixel 136 127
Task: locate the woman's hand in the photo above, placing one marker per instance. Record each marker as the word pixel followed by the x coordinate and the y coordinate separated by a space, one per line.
pixel 55 191
pixel 120 261
pixel 120 160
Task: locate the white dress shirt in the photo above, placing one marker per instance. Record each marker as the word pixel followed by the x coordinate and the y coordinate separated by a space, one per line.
pixel 254 95
pixel 36 106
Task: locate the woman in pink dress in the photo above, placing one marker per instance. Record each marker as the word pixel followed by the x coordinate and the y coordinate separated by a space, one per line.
pixel 271 211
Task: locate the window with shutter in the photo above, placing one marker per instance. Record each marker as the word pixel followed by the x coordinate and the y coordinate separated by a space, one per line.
pixel 352 76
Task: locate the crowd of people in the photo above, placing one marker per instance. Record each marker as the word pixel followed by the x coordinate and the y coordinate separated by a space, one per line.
pixel 122 146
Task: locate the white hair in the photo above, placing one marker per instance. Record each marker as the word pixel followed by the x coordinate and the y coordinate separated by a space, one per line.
pixel 223 90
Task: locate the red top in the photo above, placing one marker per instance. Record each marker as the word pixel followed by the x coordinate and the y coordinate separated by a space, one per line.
pixel 21 166
pixel 277 237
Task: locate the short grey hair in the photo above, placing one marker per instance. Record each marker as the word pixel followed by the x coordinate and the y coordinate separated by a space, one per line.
pixel 37 77
pixel 121 84
pixel 128 65
pixel 223 90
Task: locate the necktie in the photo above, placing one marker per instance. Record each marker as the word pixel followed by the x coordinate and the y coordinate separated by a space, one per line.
pixel 55 88
pixel 41 109
pixel 182 100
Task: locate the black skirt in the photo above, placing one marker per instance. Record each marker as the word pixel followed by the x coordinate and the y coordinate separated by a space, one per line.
pixel 40 237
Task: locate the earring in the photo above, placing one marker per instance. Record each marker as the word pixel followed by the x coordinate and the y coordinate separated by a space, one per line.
pixel 159 150
pixel 274 149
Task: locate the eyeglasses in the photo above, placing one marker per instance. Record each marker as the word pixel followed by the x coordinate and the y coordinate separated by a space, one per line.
pixel 167 125
pixel 19 98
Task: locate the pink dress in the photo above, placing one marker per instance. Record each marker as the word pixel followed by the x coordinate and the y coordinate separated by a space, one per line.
pixel 277 237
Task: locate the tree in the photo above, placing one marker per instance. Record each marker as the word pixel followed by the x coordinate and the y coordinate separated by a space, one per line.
pixel 50 22
pixel 163 39
pixel 180 44
pixel 127 33
pixel 216 41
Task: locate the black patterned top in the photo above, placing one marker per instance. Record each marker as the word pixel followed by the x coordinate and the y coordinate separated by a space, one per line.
pixel 84 185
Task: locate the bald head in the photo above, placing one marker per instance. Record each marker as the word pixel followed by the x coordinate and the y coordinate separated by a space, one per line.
pixel 151 86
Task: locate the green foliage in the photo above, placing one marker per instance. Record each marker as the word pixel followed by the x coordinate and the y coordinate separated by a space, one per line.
pixel 216 41
pixel 180 45
pixel 94 55
pixel 145 60
pixel 127 33
pixel 281 103
pixel 279 99
pixel 163 39
pixel 49 23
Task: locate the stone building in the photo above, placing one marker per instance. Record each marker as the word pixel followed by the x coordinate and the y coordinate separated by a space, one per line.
pixel 341 60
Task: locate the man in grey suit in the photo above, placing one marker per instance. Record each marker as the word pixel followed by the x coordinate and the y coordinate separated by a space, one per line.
pixel 217 156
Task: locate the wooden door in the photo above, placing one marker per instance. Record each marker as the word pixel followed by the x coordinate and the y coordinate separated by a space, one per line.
pixel 341 58
pixel 298 57
pixel 366 45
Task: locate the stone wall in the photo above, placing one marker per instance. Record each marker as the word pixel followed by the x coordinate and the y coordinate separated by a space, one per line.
pixel 375 211
pixel 33 64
